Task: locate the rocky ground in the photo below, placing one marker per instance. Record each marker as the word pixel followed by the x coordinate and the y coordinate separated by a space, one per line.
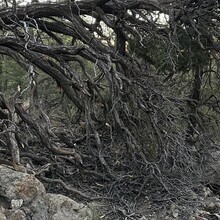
pixel 204 205
pixel 22 196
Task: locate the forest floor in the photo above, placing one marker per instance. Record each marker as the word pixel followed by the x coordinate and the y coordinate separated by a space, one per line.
pixel 203 205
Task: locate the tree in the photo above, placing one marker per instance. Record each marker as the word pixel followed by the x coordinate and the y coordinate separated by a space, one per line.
pixel 118 66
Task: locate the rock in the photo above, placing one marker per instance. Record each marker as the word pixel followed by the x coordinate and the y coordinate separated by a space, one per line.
pixel 62 207
pixel 16 203
pixel 18 185
pixel 172 206
pixel 17 215
pixel 39 208
pixel 175 213
pixel 207 191
pixel 210 205
pixel 2 214
pixel 22 196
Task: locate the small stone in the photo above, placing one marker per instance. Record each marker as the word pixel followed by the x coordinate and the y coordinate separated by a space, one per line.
pixel 207 191
pixel 210 205
pixel 169 212
pixel 175 213
pixel 16 203
pixel 172 207
pixel 192 218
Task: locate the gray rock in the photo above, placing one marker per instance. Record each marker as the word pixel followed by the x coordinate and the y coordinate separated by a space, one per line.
pixel 62 207
pixel 39 208
pixel 18 185
pixel 210 203
pixel 17 215
pixel 2 214
pixel 24 197
pixel 16 203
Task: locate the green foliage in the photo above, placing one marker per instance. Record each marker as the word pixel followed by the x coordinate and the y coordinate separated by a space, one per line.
pixel 184 54
pixel 12 75
pixel 191 50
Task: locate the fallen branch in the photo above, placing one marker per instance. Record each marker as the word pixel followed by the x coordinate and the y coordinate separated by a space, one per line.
pixel 72 190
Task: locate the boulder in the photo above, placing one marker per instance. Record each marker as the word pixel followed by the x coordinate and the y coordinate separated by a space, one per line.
pixel 62 207
pixel 23 196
